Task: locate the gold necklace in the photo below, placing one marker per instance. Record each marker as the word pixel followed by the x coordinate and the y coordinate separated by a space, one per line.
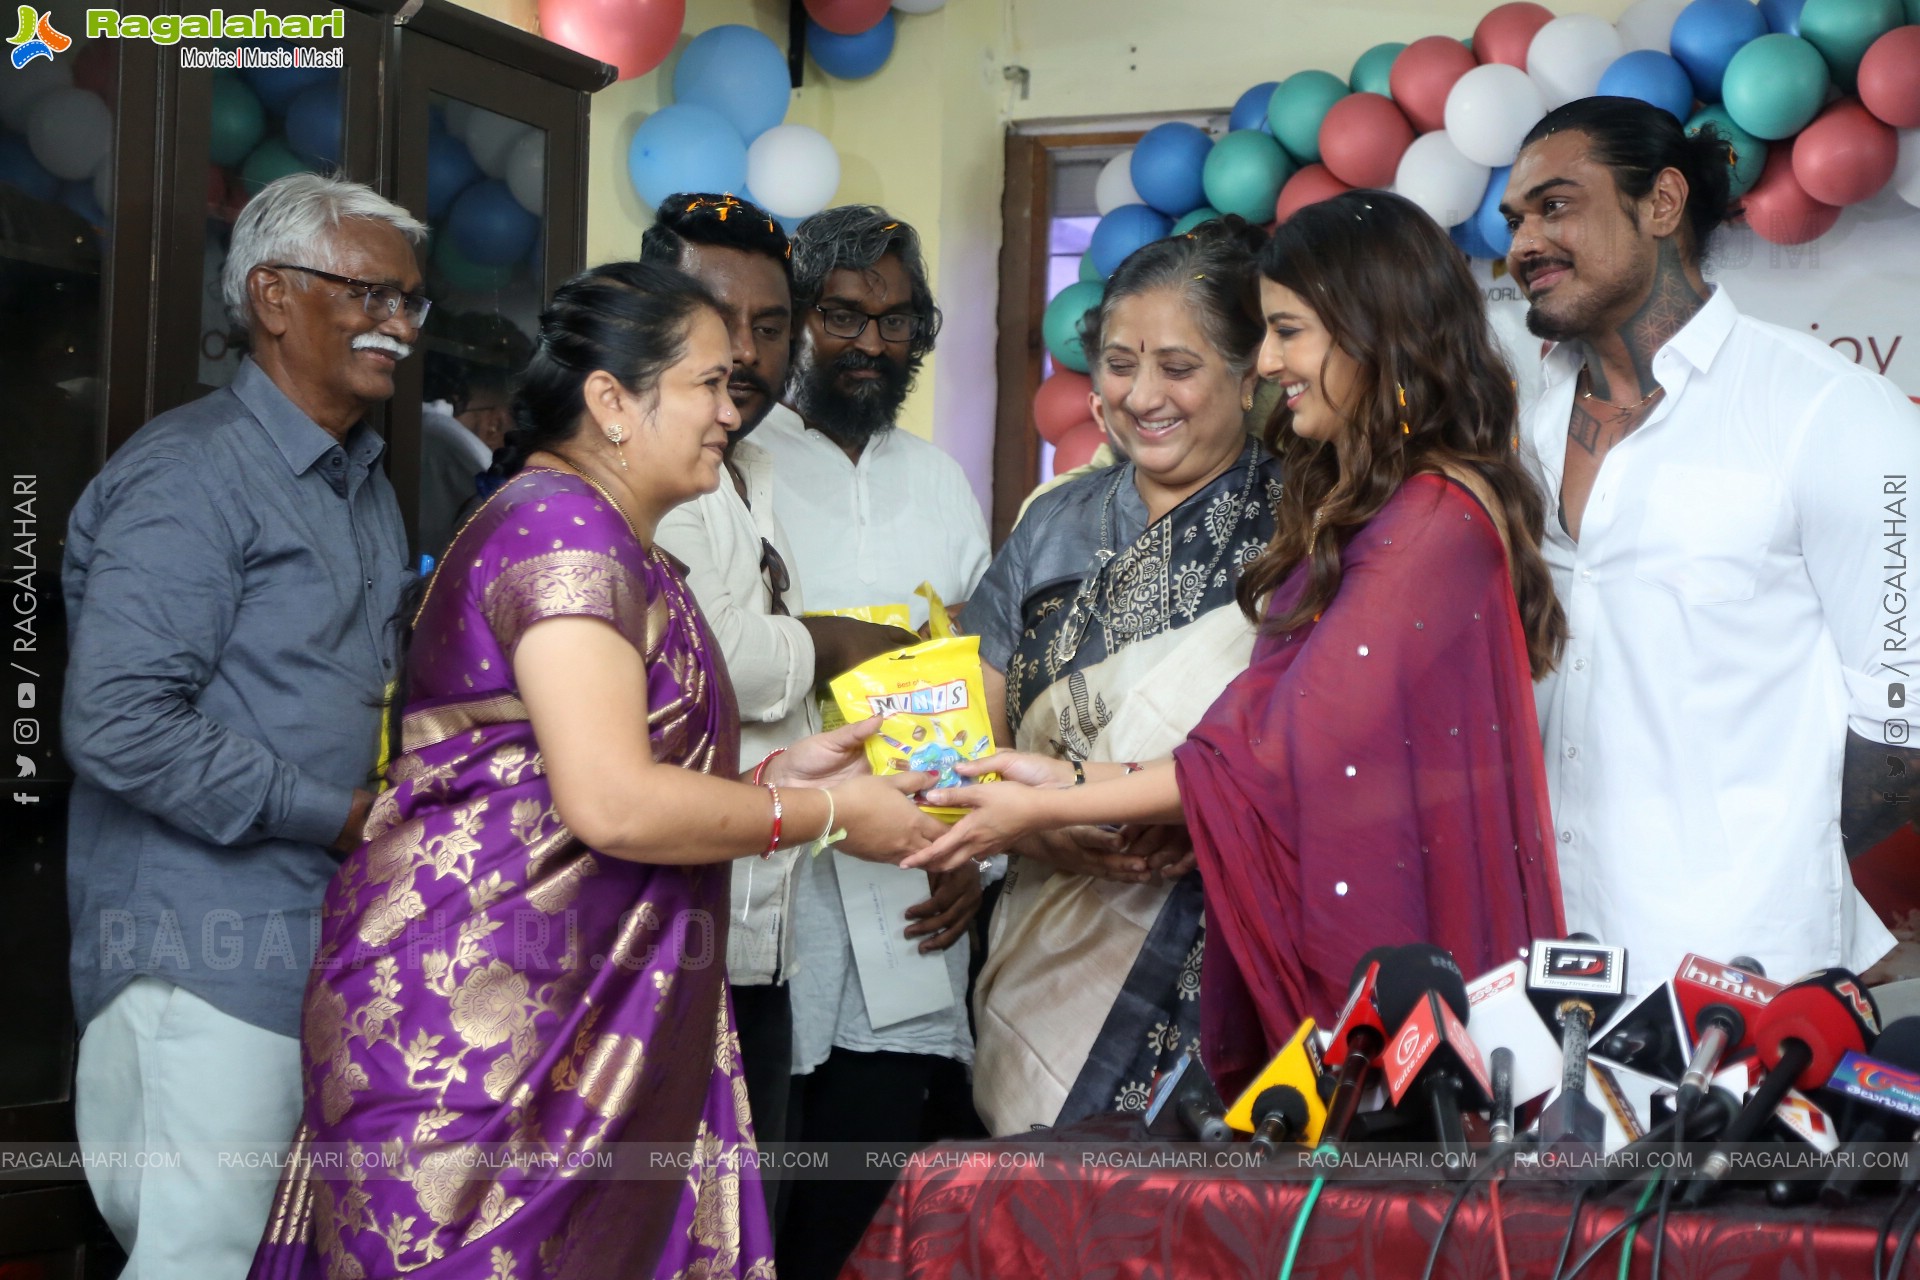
pixel 600 489
pixel 1635 407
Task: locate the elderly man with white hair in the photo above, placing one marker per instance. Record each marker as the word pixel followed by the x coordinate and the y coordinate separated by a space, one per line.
pixel 231 580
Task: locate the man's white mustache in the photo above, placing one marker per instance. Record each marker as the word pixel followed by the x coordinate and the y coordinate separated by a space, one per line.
pixel 381 342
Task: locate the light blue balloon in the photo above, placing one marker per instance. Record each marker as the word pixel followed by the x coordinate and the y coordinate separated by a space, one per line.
pixel 685 148
pixel 1466 236
pixel 1090 274
pixel 1167 168
pixel 1122 231
pixel 1298 106
pixel 739 73
pixel 1371 70
pixel 490 227
pixel 851 57
pixel 1707 34
pixel 1489 224
pixel 1250 111
pixel 1652 77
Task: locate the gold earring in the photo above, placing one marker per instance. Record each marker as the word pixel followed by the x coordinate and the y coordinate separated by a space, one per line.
pixel 616 438
pixel 1405 430
pixel 1246 401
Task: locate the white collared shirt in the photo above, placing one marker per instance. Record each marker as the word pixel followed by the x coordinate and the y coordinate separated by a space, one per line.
pixel 1730 621
pixel 770 661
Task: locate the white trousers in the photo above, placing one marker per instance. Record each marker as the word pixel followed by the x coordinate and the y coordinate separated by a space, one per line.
pixel 168 1089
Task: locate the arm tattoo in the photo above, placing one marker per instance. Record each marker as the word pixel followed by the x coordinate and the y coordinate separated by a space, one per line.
pixel 1879 791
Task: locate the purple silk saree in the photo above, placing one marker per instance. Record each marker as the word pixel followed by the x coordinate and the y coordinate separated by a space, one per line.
pixel 520 1058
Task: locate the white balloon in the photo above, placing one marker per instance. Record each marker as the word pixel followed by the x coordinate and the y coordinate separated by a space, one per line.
pixel 527 172
pixel 492 137
pixel 918 6
pixel 70 131
pixel 792 170
pixel 1649 25
pixel 1434 175
pixel 1568 56
pixel 20 90
pixel 1906 171
pixel 1489 111
pixel 1114 186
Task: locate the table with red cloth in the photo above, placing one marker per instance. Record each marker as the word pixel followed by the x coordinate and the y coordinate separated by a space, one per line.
pixel 957 1211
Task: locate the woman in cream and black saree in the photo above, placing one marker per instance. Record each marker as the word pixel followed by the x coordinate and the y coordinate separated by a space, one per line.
pixel 1109 619
pixel 521 970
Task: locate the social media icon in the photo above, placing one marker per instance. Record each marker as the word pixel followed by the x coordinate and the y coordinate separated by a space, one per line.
pixel 25 765
pixel 1896 694
pixel 1896 732
pixel 26 732
pixel 26 696
pixel 24 797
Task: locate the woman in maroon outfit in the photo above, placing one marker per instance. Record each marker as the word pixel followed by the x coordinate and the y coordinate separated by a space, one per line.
pixel 1375 776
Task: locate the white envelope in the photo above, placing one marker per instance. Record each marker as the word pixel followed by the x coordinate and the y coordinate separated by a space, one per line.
pixel 897 980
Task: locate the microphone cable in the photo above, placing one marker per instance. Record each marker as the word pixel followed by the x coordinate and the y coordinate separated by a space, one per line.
pixel 1899 1262
pixel 1666 1201
pixel 1306 1211
pixel 1490 1171
pixel 1626 1250
pixel 1600 1245
pixel 1573 1226
pixel 1885 1238
pixel 1499 1231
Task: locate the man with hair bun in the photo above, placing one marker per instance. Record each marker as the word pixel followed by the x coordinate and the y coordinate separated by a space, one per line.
pixel 1727 724
pixel 231 580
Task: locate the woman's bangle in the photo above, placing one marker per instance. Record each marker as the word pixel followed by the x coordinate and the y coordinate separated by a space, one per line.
pixel 1131 766
pixel 761 768
pixel 773 841
pixel 1079 772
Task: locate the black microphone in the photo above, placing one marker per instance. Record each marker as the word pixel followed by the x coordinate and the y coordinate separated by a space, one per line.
pixel 1358 1037
pixel 1186 1104
pixel 1432 1046
pixel 1574 985
pixel 1709 1120
pixel 1500 1123
pixel 1885 1091
pixel 1279 1115
pixel 1718 1028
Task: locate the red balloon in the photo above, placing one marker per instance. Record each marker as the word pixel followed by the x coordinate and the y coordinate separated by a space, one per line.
pixel 848 17
pixel 1845 155
pixel 1889 78
pixel 1309 186
pixel 1076 448
pixel 1423 75
pixel 1506 32
pixel 1779 209
pixel 1061 404
pixel 634 35
pixel 1362 139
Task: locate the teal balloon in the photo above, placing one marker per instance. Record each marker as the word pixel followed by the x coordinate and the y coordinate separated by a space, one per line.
pixel 1775 86
pixel 1243 174
pixel 463 273
pixel 1297 108
pixel 271 159
pixel 1089 273
pixel 1842 29
pixel 1205 214
pixel 1060 326
pixel 1370 71
pixel 1749 153
pixel 237 122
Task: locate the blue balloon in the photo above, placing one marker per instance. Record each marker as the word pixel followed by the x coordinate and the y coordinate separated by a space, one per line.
pixel 1651 77
pixel 313 125
pixel 19 170
pixel 851 57
pixel 1124 230
pixel 1466 237
pixel 1250 112
pixel 685 148
pixel 78 196
pixel 739 73
pixel 1783 16
pixel 489 226
pixel 1707 34
pixel 1488 223
pixel 1167 167
pixel 277 87
pixel 450 170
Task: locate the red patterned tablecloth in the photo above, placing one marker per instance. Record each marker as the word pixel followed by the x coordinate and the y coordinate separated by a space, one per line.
pixel 953 1214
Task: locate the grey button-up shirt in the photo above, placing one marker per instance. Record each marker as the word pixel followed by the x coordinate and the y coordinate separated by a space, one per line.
pixel 231 580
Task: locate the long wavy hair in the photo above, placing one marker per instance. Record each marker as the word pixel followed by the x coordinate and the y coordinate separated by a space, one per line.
pixel 1395 296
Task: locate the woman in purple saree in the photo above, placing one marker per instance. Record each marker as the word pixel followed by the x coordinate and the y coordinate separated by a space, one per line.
pixel 519 1050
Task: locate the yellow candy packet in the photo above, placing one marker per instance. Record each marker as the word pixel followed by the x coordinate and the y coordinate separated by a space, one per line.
pixel 935 707
pixel 939 627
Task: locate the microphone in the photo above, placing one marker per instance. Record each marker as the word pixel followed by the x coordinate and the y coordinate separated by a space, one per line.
pixel 1574 985
pixel 1717 1001
pixel 1800 1035
pixel 1503 1017
pixel 1186 1104
pixel 1432 1046
pixel 1885 1090
pixel 1297 1067
pixel 1280 1115
pixel 1709 1120
pixel 1358 1037
pixel 1500 1122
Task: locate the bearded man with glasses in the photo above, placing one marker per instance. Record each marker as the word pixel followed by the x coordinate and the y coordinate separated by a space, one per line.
pixel 231 580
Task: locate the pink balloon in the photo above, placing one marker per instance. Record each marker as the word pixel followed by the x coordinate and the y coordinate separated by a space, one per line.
pixel 634 35
pixel 1889 78
pixel 1779 209
pixel 1076 448
pixel 1362 139
pixel 1506 32
pixel 1845 155
pixel 848 17
pixel 1423 75
pixel 1061 404
pixel 1309 186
